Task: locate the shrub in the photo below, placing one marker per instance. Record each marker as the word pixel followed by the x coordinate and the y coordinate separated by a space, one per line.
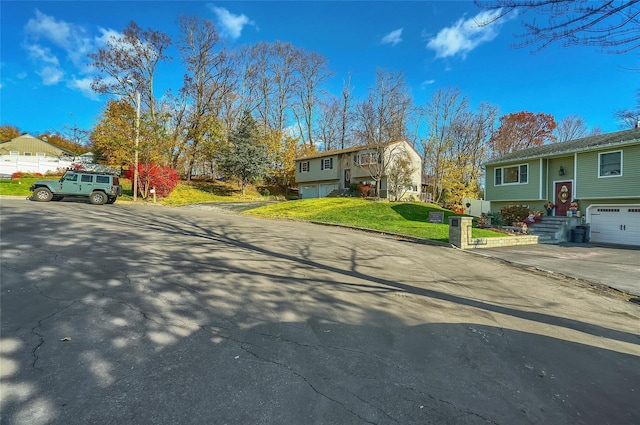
pixel 515 213
pixel 265 192
pixel 163 179
pixel 17 175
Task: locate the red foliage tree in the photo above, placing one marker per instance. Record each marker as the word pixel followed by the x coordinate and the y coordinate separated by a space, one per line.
pixel 521 130
pixel 153 176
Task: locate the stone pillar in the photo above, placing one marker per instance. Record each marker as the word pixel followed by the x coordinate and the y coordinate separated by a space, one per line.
pixel 460 231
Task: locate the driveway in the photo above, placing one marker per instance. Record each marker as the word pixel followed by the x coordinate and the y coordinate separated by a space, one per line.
pixel 151 315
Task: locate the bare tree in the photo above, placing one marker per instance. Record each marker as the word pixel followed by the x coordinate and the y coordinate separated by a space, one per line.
pixel 441 115
pixel 612 24
pixel 130 62
pixel 630 118
pixel 571 127
pixel 312 73
pixel 328 132
pixel 382 118
pixel 209 80
pixel 346 115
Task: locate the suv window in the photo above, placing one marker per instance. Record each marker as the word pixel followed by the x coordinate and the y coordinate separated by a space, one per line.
pixel 86 178
pixel 71 177
pixel 102 179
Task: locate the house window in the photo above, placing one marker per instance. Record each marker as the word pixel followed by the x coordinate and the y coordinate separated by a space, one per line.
pixel 610 164
pixel 303 167
pixel 14 153
pixel 366 158
pixel 27 154
pixel 326 164
pixel 41 154
pixel 517 174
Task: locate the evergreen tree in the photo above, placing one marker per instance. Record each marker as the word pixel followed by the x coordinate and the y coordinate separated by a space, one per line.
pixel 244 157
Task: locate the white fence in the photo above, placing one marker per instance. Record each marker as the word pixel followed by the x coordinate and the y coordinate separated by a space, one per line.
pixel 476 206
pixel 10 164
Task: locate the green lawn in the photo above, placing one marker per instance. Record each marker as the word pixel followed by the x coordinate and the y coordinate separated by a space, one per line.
pixel 402 218
pixel 19 187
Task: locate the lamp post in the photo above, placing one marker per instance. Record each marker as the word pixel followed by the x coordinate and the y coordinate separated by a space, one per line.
pixel 135 160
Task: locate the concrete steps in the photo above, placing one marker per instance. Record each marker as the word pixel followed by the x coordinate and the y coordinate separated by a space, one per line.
pixel 554 230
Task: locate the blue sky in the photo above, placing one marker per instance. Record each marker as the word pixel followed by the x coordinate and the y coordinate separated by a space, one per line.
pixel 45 74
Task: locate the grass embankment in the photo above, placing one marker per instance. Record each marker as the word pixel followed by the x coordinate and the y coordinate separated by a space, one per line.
pixel 406 218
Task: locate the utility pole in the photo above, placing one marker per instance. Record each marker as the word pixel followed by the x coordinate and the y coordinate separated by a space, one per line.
pixel 135 161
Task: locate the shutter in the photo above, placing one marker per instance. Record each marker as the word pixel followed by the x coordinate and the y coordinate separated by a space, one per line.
pixel 331 163
pixel 322 164
pixel 299 167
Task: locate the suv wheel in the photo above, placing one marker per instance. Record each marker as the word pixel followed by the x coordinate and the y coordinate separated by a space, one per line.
pixel 98 198
pixel 42 194
pixel 111 199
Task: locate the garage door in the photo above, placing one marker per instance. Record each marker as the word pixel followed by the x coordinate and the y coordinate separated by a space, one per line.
pixel 310 191
pixel 618 224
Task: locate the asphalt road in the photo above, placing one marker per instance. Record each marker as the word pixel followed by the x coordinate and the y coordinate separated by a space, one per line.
pixel 127 314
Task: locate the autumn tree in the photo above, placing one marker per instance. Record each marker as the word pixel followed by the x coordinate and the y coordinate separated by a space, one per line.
pixel 8 132
pixel 611 25
pixel 62 142
pixel 244 157
pixel 521 130
pixel 113 137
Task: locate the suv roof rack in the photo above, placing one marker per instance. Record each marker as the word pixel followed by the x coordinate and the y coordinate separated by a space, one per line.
pixel 110 172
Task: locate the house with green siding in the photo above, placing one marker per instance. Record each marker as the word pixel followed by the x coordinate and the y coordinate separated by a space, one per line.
pixel 337 170
pixel 601 174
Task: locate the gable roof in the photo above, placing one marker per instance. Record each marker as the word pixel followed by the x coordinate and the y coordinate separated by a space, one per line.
pixel 351 149
pixel 28 143
pixel 600 141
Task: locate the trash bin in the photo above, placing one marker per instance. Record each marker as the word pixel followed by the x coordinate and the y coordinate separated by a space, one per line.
pixel 587 231
pixel 577 235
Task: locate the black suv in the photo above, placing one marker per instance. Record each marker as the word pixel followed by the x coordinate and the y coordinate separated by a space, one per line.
pixel 100 188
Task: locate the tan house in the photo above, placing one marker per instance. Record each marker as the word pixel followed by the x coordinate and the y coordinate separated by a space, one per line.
pixel 320 174
pixel 27 145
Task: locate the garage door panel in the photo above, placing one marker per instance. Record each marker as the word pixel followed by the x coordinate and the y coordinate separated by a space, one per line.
pixel 619 224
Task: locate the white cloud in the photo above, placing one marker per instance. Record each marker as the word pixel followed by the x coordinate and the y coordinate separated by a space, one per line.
pixel 84 86
pixel 426 83
pixel 51 75
pixel 466 34
pixel 230 25
pixel 393 38
pixel 72 39
pixel 59 50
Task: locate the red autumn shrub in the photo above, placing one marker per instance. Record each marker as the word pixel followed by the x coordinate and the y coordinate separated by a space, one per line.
pixel 153 176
